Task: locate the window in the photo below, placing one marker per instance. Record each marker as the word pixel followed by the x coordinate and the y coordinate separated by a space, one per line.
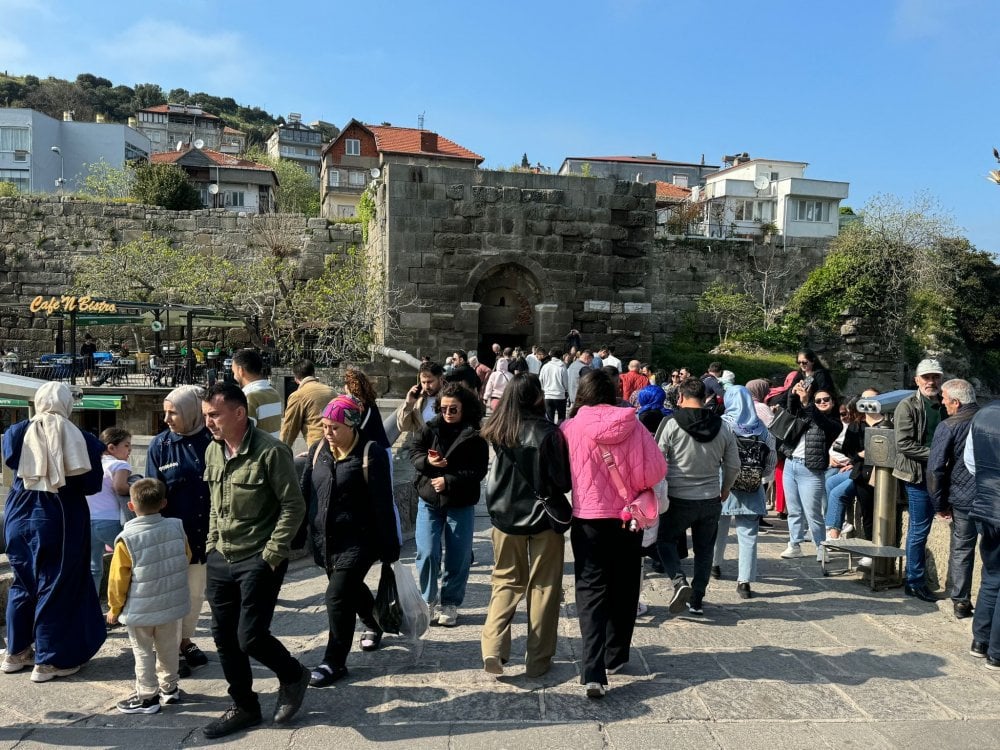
pixel 15 139
pixel 234 198
pixel 333 178
pixel 681 180
pixel 774 177
pixel 356 178
pixel 345 211
pixel 749 210
pixel 813 211
pixel 17 176
pixel 352 147
pixel 20 155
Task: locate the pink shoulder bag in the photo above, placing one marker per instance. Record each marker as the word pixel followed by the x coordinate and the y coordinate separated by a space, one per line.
pixel 640 512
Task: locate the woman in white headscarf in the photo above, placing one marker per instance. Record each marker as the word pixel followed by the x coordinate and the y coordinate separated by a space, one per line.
pixel 177 458
pixel 52 601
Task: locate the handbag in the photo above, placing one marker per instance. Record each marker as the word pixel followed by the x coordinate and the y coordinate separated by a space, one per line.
pixel 557 509
pixel 640 512
pixel 786 427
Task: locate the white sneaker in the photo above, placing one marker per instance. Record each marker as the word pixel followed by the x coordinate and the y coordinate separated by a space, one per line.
pixel 596 690
pixel 46 672
pixel 791 551
pixel 641 609
pixel 865 562
pixel 448 616
pixel 435 610
pixel 16 662
pixel 846 529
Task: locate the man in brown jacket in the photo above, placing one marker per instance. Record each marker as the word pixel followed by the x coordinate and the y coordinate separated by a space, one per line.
pixel 305 406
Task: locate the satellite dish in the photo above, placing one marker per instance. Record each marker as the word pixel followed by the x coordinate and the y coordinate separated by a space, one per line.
pixel 180 145
pixel 213 189
pixel 199 143
pixel 157 326
pixel 761 182
pixel 375 172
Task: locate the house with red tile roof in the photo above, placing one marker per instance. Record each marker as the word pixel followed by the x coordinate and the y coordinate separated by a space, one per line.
pixel 224 180
pixel 639 169
pixel 349 161
pixel 166 125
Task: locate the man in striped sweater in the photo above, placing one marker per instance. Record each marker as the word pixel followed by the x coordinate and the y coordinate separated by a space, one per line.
pixel 264 403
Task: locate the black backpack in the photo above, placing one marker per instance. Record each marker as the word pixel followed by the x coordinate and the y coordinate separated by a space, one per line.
pixel 753 457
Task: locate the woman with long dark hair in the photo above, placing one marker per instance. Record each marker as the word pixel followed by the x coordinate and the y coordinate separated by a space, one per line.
pixel 347 482
pixel 451 460
pixel 531 461
pixel 806 462
pixel 607 554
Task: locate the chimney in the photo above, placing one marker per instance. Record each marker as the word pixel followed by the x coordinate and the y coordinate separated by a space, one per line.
pixel 99 119
pixel 428 141
pixel 67 115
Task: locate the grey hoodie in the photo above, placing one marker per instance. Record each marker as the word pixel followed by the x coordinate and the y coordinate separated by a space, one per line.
pixel 695 457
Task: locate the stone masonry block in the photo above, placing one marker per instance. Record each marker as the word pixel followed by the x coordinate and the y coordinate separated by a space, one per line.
pixel 423 275
pixel 465 241
pixel 456 192
pixel 511 195
pixel 485 194
pixel 416 320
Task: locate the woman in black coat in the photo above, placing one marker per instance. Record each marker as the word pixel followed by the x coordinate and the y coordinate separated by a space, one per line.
pixel 347 483
pixel 451 460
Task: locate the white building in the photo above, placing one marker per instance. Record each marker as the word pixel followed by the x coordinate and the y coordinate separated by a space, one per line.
pixel 769 196
pixel 224 180
pixel 38 151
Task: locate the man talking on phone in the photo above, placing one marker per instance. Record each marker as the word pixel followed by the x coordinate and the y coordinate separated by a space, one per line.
pixel 418 408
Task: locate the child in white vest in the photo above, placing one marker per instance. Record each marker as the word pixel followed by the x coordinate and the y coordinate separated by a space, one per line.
pixel 148 593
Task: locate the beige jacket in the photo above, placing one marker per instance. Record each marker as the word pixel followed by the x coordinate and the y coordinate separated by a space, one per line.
pixel 304 411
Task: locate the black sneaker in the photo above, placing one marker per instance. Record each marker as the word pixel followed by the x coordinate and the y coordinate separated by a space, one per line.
pixel 682 592
pixel 183 670
pixel 978 649
pixel 695 608
pixel 764 523
pixel 194 656
pixel 170 696
pixel 992 663
pixel 136 705
pixel 290 696
pixel 716 571
pixel 963 610
pixel 235 719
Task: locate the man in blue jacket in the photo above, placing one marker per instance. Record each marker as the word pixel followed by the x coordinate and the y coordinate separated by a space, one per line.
pixel 982 459
pixel 952 488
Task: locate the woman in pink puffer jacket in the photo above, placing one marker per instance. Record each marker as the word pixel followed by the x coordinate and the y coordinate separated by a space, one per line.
pixel 608 557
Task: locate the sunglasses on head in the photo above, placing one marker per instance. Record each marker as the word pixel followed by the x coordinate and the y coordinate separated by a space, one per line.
pixel 450 409
pixel 826 400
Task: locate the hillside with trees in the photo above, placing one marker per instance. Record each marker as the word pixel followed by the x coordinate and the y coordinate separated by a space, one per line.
pixel 91 95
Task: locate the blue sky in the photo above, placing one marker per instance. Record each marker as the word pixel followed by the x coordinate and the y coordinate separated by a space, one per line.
pixel 893 96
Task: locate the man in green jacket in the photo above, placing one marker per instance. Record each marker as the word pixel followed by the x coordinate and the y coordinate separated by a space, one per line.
pixel 256 509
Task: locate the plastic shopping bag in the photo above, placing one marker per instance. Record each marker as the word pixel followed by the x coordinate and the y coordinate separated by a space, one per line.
pixel 416 615
pixel 388 612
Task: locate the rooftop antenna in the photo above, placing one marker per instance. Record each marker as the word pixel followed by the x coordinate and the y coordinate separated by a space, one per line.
pixel 420 121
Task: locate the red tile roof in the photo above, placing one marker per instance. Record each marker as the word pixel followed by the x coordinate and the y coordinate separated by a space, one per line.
pixel 232 131
pixel 393 140
pixel 219 159
pixel 666 191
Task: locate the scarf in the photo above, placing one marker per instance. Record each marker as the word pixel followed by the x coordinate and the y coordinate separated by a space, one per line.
pixel 53 448
pixel 186 401
pixel 775 392
pixel 651 398
pixel 741 415
pixel 759 389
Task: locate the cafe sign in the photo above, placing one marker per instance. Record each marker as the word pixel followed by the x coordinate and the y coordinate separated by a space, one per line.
pixel 71 303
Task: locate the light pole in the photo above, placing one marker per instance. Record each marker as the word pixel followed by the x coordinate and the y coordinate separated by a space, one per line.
pixel 62 169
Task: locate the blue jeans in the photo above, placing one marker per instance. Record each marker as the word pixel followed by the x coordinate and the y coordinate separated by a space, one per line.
pixel 746 537
pixel 457 526
pixel 101 532
pixel 986 620
pixel 839 489
pixel 805 491
pixel 921 516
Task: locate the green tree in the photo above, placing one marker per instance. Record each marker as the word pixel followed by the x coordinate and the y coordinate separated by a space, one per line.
pixel 102 180
pixel 8 190
pixel 165 185
pixel 297 192
pixel 734 312
pixel 147 95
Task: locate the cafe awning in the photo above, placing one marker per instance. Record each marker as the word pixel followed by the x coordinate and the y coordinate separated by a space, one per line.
pixel 101 402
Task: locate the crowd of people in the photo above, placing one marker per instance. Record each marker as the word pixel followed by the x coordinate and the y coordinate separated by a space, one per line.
pixel 578 446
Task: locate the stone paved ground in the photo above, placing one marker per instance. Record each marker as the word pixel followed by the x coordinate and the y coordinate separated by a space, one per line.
pixel 809 662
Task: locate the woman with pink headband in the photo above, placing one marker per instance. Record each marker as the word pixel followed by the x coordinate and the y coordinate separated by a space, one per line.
pixel 353 525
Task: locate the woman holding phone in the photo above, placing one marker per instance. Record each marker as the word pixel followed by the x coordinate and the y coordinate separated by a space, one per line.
pixel 451 460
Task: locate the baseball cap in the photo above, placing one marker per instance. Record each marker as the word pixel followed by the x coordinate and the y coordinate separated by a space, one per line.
pixel 929 367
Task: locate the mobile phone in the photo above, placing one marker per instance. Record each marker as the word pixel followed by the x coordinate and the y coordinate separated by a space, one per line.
pixel 807 382
pixel 433 453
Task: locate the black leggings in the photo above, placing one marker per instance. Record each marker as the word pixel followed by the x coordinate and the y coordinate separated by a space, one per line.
pixel 347 595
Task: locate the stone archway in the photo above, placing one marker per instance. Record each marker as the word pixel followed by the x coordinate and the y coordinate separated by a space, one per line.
pixel 507 295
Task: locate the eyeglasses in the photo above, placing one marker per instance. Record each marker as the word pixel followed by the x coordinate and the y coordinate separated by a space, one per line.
pixel 802 362
pixel 451 410
pixel 824 400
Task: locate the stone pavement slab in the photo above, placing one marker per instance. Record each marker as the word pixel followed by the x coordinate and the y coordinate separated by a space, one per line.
pixel 809 661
